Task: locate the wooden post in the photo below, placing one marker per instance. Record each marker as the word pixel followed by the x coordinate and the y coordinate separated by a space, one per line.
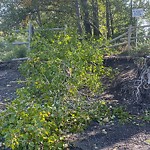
pixel 29 36
pixel 131 5
pixel 148 76
pixel 136 32
pixel 65 29
pixel 129 37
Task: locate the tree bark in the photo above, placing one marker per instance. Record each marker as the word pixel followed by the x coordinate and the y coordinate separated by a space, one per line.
pixel 87 26
pixel 108 19
pixel 38 13
pixel 95 18
pixel 111 20
pixel 78 15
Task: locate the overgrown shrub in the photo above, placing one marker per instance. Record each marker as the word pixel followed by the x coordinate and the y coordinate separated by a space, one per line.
pixel 62 75
pixel 142 49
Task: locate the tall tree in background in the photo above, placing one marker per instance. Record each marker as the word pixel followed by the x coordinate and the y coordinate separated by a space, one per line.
pixel 40 11
pixel 109 19
pixel 92 17
pixel 78 16
pixel 118 16
pixel 86 20
pixel 95 18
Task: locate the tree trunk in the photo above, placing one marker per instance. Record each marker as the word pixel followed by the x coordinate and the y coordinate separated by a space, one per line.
pixel 87 26
pixel 78 15
pixel 35 6
pixel 38 14
pixel 111 20
pixel 108 20
pixel 95 18
pixel 39 18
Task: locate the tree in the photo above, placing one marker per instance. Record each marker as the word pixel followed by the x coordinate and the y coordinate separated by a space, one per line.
pixel 41 12
pixel 78 15
pixel 86 21
pixel 117 17
pixel 92 17
pixel 108 19
pixel 95 18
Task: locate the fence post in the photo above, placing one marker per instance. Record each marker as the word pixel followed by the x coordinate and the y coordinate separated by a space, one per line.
pixel 65 29
pixel 136 32
pixel 129 37
pixel 29 36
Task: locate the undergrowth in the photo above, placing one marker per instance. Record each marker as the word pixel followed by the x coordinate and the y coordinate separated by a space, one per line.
pixel 62 77
pixel 10 51
pixel 142 49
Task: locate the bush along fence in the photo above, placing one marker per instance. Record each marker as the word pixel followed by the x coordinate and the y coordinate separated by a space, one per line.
pixel 31 31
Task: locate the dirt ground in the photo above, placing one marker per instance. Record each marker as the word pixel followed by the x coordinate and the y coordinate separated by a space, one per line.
pixel 130 136
pixel 9 77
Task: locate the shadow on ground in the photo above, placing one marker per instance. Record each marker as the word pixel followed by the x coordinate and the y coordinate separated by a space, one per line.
pixel 116 137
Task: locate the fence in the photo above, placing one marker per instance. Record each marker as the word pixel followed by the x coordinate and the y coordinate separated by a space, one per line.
pixel 30 31
pixel 128 38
